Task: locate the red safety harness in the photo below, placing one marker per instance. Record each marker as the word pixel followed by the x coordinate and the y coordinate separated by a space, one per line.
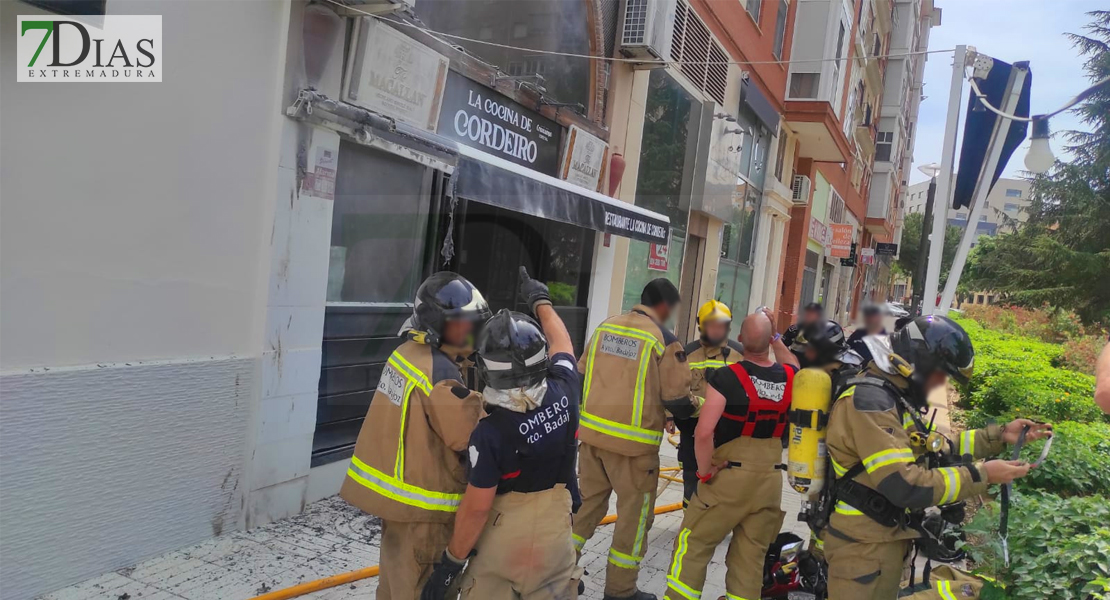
pixel 761 410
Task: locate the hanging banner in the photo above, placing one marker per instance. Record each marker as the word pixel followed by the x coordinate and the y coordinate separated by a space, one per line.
pixel 840 244
pixel 818 231
pixel 657 257
pixel 867 256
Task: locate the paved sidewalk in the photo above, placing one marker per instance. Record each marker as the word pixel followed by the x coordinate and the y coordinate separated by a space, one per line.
pixel 331 537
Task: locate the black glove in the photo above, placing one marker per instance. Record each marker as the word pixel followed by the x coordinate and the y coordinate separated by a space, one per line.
pixel 443 575
pixel 533 293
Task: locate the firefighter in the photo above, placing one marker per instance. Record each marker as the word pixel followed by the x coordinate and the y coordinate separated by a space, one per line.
pixel 811 313
pixel 710 351
pixel 633 370
pixel 409 467
pixel 889 467
pixel 515 515
pixel 821 344
pixel 739 448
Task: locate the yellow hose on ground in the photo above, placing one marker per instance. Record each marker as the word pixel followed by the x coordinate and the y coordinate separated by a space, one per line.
pixel 335 580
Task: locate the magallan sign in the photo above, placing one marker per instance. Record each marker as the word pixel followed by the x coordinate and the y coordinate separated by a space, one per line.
pixel 480 117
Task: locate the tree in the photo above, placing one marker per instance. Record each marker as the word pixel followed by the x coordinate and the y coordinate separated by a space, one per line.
pixel 910 247
pixel 1062 255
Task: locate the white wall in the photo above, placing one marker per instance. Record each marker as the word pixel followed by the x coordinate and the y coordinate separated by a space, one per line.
pixel 132 218
pixel 135 252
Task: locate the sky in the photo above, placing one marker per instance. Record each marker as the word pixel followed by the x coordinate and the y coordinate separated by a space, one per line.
pixel 1011 31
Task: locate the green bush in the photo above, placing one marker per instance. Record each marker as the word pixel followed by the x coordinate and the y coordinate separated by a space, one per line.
pixel 1059 547
pixel 1078 464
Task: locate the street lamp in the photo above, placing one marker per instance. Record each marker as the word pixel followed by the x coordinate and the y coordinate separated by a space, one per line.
pixel 932 170
pixel 1040 158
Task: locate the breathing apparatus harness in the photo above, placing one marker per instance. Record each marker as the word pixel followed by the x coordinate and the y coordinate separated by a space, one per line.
pixel 933 540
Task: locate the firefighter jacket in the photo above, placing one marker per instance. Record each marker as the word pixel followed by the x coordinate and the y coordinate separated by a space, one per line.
pixel 869 425
pixel 703 359
pixel 632 369
pixel 409 463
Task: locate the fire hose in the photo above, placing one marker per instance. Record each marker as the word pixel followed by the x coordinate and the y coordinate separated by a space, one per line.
pixel 309 587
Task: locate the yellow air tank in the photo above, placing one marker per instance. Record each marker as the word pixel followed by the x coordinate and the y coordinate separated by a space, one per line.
pixel 809 410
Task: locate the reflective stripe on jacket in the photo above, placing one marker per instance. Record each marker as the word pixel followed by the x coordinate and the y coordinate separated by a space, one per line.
pixel 631 368
pixel 408 464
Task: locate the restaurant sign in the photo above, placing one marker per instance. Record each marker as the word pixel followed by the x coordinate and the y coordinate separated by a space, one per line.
pixel 478 116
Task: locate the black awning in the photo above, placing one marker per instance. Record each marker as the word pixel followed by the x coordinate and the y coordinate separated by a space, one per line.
pixel 485 178
pixel 761 106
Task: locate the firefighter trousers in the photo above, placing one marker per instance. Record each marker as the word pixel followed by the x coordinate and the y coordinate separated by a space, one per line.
pixel 743 501
pixel 409 551
pixel 864 571
pixel 945 583
pixel 525 551
pixel 634 479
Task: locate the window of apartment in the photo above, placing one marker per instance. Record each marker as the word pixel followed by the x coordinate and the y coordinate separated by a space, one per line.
pixel 804 85
pixel 1013 193
pixel 780 29
pixel 884 143
pixel 520 31
pixel 780 156
pixel 1010 207
pixel 982 218
pixel 836 63
pixel 753 7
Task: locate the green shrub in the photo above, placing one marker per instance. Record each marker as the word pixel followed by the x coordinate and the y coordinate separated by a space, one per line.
pixel 1078 464
pixel 1059 547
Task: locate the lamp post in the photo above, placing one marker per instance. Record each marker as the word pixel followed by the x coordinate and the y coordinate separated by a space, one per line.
pixel 931 169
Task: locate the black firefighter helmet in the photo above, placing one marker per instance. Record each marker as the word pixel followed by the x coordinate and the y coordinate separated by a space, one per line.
pixel 929 344
pixel 826 338
pixel 443 297
pixel 512 351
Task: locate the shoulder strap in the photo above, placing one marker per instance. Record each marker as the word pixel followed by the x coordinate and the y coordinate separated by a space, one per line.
pixel 745 381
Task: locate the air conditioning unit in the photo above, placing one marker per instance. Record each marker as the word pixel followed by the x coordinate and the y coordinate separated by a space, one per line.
pixel 800 189
pixel 646 29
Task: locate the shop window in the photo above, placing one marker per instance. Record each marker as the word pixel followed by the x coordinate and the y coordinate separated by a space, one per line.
pixel 382 207
pixel 551 26
pixel 671 125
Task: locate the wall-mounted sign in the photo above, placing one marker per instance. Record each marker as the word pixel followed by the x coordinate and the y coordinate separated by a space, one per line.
pixel 886 249
pixel 818 231
pixel 395 75
pixel 657 257
pixel 867 256
pixel 840 242
pixel 851 260
pixel 585 157
pixel 478 116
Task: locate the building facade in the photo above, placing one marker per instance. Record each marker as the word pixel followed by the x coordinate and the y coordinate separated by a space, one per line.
pixel 1006 209
pixel 852 100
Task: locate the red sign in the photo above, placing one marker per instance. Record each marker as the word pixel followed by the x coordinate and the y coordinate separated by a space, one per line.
pixel 841 244
pixel 657 257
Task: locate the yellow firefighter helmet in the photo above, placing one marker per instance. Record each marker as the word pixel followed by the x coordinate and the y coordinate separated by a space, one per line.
pixel 713 310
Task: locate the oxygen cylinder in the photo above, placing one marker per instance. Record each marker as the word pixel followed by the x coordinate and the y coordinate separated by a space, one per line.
pixel 812 395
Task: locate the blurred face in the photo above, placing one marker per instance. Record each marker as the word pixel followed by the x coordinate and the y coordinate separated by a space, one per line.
pixel 936 379
pixel 458 333
pixel 873 323
pixel 810 316
pixel 811 355
pixel 715 332
pixel 663 311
